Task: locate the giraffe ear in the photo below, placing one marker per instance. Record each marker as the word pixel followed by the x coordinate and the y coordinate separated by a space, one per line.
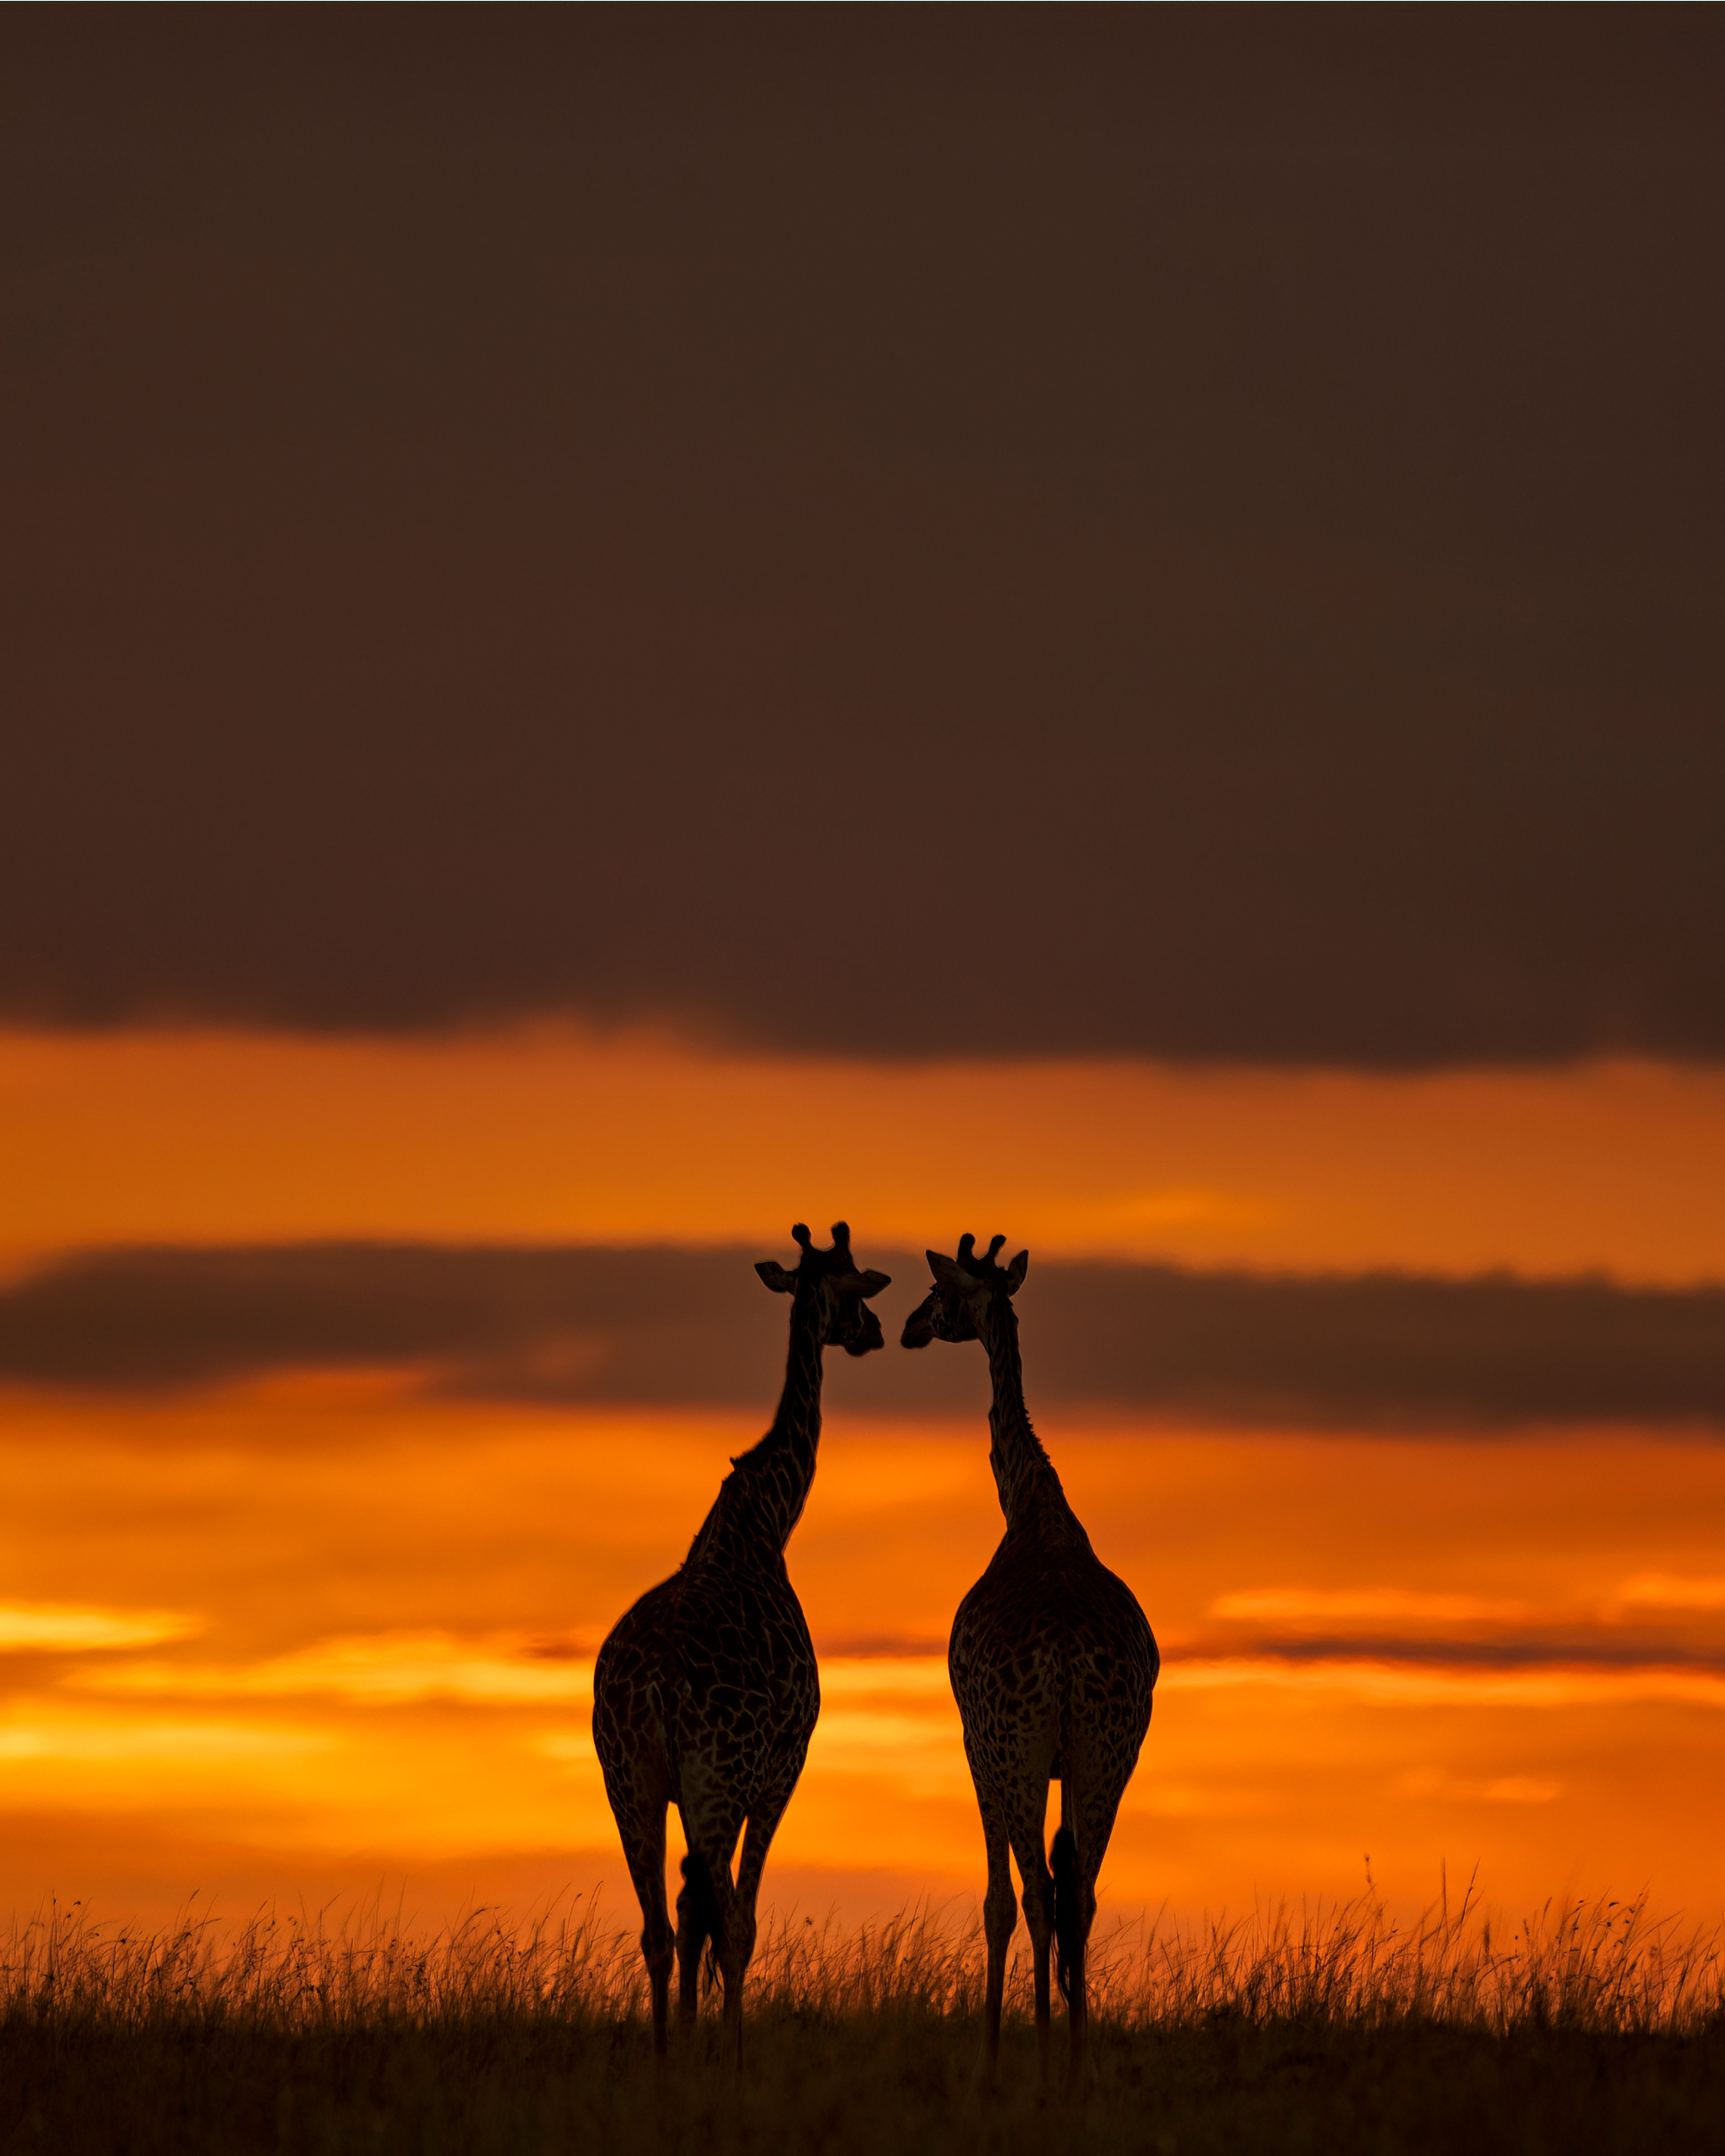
pixel 1016 1271
pixel 777 1278
pixel 863 1284
pixel 948 1271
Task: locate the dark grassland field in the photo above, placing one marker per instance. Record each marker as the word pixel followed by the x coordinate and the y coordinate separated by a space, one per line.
pixel 1586 2028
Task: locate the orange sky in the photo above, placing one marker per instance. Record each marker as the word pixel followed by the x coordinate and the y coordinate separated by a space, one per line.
pixel 555 1133
pixel 354 1638
pixel 325 1632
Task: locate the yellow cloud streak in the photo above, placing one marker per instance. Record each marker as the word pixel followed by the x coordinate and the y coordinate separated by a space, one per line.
pixel 377 1670
pixel 88 1741
pixel 55 1627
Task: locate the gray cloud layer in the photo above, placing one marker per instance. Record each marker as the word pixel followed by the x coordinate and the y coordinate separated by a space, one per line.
pixel 1115 529
pixel 696 1327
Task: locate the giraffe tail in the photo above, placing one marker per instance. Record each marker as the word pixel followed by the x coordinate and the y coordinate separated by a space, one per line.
pixel 698 1906
pixel 1069 1924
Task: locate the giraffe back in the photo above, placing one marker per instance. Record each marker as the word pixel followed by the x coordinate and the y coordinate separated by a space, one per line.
pixel 1052 1664
pixel 711 1676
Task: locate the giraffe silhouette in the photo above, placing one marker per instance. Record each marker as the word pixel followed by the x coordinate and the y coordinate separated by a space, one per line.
pixel 1052 1665
pixel 705 1693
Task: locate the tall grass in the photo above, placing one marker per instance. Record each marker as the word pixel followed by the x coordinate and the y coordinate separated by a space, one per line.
pixel 1588 2026
pixel 1602 1966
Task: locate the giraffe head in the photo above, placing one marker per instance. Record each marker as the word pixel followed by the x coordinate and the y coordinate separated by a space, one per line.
pixel 834 1287
pixel 964 1289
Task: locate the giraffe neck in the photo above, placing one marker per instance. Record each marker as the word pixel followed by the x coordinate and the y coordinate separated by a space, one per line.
pixel 1030 1492
pixel 762 1499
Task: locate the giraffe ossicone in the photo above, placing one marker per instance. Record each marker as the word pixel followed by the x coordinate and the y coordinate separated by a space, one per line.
pixel 705 1693
pixel 1052 1666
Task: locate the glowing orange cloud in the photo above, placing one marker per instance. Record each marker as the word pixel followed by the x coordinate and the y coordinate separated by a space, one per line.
pixel 558 1134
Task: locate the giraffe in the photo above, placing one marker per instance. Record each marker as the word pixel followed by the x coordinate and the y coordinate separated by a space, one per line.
pixel 705 1693
pixel 1052 1665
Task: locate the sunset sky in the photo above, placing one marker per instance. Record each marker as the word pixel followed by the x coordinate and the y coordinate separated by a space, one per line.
pixel 623 628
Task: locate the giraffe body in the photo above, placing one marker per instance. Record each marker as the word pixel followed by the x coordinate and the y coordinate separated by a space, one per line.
pixel 1052 1666
pixel 1044 1698
pixel 706 1692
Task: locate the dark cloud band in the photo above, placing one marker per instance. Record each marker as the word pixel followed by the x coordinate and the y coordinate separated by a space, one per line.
pixel 1211 521
pixel 694 1327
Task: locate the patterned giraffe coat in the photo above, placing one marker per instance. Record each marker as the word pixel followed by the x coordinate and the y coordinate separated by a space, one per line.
pixel 705 1694
pixel 1052 1663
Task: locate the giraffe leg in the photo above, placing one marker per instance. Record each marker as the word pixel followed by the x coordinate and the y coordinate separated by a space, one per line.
pixel 764 1816
pixel 1000 1914
pixel 1028 1812
pixel 628 1736
pixel 642 1829
pixel 705 1907
pixel 696 1921
pixel 1089 1801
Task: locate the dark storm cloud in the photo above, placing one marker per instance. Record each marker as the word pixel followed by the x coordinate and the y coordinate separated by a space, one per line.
pixel 576 1323
pixel 696 1327
pixel 1377 1347
pixel 1195 532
